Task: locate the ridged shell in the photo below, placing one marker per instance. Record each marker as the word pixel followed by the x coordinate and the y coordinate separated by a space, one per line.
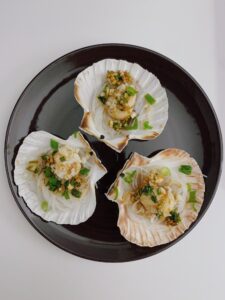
pixel 87 87
pixel 138 229
pixel 72 211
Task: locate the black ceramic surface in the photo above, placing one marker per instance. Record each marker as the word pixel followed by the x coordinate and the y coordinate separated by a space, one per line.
pixel 48 104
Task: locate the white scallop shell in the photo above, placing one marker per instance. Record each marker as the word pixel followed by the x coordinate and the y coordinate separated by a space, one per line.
pixel 87 87
pixel 153 232
pixel 61 211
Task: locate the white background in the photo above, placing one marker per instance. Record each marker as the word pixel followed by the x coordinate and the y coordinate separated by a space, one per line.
pixel 32 34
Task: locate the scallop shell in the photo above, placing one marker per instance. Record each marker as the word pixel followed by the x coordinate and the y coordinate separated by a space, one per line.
pixel 87 87
pixel 61 211
pixel 146 232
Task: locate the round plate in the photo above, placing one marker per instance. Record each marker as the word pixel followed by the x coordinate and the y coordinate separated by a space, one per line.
pixel 48 104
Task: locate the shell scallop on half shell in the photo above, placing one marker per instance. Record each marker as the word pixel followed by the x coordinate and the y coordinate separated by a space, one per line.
pixel 150 116
pixel 157 210
pixel 37 183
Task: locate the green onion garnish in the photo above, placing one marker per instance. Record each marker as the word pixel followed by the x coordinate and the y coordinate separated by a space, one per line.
pixel 54 152
pixel 66 194
pixel 44 205
pixel 66 183
pixel 165 171
pixel 149 99
pixel 154 198
pixel 129 176
pixel 116 192
pixel 186 169
pixel 192 196
pixel 159 214
pixel 44 157
pixel 133 125
pixel 36 171
pixel 84 171
pixel 118 76
pixel 102 99
pixel 158 191
pixel 48 172
pixel 54 183
pixel 189 187
pixel 131 91
pixel 175 216
pixel 147 190
pixel 73 182
pixel 33 166
pixel 76 193
pixel 75 134
pixel 54 145
pixel 192 199
pixel 146 125
pixel 62 158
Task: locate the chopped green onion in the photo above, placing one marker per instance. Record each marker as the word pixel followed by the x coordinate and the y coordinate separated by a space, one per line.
pixel 129 176
pixel 116 192
pixel 149 99
pixel 186 169
pixel 165 172
pixel 76 193
pixel 62 158
pixel 189 187
pixel 147 190
pixel 54 183
pixel 175 216
pixel 159 214
pixel 116 125
pixel 33 166
pixel 44 205
pixel 158 191
pixel 75 134
pixel 102 99
pixel 192 199
pixel 66 194
pixel 154 198
pixel 44 157
pixel 146 125
pixel 73 182
pixel 118 77
pixel 131 91
pixel 36 171
pixel 54 145
pixel 48 172
pixel 84 171
pixel 66 183
pixel 133 125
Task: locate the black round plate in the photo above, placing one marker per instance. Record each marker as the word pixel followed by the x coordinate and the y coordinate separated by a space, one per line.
pixel 48 104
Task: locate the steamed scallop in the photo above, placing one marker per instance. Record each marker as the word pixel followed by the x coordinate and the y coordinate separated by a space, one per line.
pixel 57 177
pixel 158 197
pixel 121 101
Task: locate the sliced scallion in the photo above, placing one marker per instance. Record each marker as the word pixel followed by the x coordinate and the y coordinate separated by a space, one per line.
pixel 149 99
pixel 186 169
pixel 54 144
pixel 146 125
pixel 44 205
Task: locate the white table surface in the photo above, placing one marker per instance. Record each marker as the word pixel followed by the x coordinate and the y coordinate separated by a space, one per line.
pixel 32 34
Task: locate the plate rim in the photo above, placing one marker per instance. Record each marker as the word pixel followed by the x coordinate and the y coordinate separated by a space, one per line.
pixel 162 56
